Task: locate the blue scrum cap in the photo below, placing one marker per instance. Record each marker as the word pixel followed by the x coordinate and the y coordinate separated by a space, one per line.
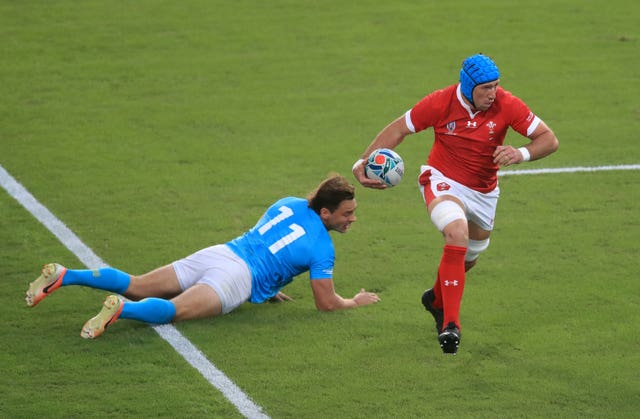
pixel 477 69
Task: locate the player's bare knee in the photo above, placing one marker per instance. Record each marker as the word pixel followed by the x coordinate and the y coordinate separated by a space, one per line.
pixel 456 233
pixel 450 219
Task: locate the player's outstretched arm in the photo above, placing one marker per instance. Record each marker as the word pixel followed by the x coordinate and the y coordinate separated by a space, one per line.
pixel 390 137
pixel 326 298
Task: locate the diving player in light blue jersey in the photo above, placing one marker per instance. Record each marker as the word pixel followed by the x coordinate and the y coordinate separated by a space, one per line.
pixel 292 237
pixel 288 240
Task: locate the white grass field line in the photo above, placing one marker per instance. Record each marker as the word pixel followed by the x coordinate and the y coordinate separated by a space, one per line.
pixel 169 333
pixel 569 170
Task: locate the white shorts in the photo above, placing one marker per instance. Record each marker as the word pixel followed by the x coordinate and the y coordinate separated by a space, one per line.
pixel 480 208
pixel 221 269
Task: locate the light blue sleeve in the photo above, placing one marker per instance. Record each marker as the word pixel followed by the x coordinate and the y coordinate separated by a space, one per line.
pixel 323 259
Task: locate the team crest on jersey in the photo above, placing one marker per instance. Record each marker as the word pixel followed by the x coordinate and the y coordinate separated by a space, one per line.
pixel 491 126
pixel 451 127
pixel 443 186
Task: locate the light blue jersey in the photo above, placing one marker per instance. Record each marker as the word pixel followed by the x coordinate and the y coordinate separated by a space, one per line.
pixel 289 239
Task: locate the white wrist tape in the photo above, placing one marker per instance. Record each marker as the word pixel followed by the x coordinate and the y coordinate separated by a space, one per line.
pixel 526 156
pixel 356 164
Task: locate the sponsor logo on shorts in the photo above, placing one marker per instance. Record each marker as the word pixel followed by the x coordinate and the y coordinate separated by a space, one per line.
pixel 443 186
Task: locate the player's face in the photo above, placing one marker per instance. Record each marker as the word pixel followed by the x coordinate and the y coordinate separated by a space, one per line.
pixel 484 95
pixel 340 220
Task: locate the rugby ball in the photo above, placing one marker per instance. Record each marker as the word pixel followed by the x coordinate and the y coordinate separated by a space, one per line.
pixel 385 165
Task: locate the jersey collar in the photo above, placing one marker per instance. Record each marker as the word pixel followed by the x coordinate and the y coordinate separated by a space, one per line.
pixel 464 104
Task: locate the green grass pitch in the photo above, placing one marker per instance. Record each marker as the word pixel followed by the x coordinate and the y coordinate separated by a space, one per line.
pixel 155 128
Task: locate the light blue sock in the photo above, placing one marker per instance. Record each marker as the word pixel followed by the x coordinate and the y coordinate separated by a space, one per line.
pixel 108 279
pixel 150 310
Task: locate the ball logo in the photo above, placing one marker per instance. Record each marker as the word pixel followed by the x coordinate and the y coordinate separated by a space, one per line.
pixel 443 186
pixel 380 159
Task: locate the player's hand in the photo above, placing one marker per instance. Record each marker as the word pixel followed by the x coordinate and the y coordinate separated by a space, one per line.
pixel 280 297
pixel 358 173
pixel 506 155
pixel 364 298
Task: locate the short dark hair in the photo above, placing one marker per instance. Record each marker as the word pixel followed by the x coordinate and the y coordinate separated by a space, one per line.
pixel 330 194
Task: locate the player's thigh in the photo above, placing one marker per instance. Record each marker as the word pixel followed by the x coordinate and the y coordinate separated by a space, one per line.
pixel 441 198
pixel 476 232
pixel 481 211
pixel 162 283
pixel 197 302
pixel 436 188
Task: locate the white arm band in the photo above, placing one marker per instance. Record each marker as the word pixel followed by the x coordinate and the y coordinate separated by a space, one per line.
pixel 356 164
pixel 526 156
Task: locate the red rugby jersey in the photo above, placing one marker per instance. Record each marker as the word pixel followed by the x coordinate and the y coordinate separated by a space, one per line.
pixel 464 140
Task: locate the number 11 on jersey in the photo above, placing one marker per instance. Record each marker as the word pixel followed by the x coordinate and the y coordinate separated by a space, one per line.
pixel 296 230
